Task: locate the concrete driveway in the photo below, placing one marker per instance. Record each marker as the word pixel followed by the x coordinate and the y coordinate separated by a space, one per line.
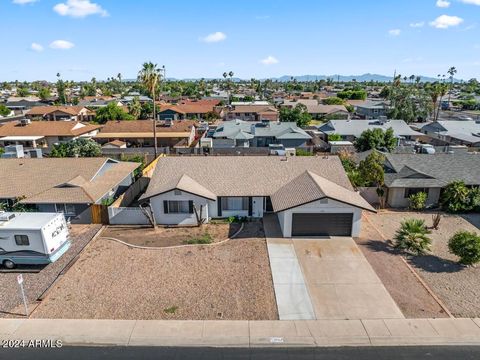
pixel 340 281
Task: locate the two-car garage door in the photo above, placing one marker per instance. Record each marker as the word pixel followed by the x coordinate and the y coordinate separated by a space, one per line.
pixel 315 224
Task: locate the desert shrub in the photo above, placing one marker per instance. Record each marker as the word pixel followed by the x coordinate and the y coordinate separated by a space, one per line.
pixel 171 310
pixel 418 201
pixel 466 245
pixel 412 236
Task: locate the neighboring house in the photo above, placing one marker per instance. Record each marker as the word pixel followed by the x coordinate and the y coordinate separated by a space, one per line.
pixel 369 109
pixel 311 196
pixel 238 133
pixel 350 130
pixel 139 133
pixel 252 113
pixel 21 104
pixel 60 113
pixel 130 97
pixel 67 185
pixel 319 111
pixel 457 132
pixel 98 101
pixel 407 174
pixel 44 134
pixel 189 110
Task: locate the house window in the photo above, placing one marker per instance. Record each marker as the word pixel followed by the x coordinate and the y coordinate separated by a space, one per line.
pixel 235 203
pixel 67 209
pixel 178 207
pixel 413 191
pixel 177 192
pixel 22 240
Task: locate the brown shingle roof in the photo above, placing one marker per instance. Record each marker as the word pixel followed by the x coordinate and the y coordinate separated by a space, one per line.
pixel 44 110
pixel 46 128
pixel 144 127
pixel 60 180
pixel 254 109
pixel 308 187
pixel 243 175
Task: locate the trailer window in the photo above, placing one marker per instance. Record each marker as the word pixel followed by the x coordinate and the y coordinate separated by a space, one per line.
pixel 22 240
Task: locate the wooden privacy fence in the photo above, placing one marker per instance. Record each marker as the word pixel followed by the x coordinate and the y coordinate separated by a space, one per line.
pixel 100 214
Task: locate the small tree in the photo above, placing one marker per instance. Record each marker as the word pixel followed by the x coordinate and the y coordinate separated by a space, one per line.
pixel 418 201
pixel 412 236
pixel 334 137
pixel 466 245
pixel 112 112
pixel 79 147
pixel 376 139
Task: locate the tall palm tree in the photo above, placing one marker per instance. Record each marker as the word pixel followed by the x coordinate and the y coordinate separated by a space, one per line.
pixel 452 71
pixel 149 76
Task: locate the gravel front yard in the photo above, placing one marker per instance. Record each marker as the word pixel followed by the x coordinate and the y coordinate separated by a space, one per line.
pixel 168 236
pixel 35 283
pixel 409 294
pixel 457 286
pixel 112 281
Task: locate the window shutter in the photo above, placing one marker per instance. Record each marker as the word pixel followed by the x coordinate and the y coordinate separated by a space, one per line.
pixel 165 206
pixel 190 206
pixel 250 206
pixel 219 206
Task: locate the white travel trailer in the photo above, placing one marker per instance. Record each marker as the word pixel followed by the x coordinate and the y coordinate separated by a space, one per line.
pixel 32 238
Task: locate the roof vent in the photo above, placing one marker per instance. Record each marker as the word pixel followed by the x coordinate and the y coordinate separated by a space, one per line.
pixel 4 217
pixel 25 122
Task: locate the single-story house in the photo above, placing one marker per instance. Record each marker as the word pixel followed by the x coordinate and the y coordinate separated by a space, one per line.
pixel 350 130
pixel 189 110
pixel 139 133
pixel 60 113
pixel 407 174
pixel 369 109
pixel 457 132
pixel 311 196
pixel 67 185
pixel 44 134
pixel 319 111
pixel 252 113
pixel 20 104
pixel 238 133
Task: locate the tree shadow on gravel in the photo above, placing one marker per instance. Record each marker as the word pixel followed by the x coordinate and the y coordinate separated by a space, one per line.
pixel 428 262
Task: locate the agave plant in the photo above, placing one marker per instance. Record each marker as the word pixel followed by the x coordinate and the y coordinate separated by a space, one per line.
pixel 412 236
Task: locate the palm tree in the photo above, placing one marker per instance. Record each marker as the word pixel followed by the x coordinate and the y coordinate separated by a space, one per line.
pixel 452 71
pixel 412 236
pixel 442 92
pixel 149 75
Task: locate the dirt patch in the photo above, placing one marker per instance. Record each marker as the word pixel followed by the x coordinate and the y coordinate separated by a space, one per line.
pixel 163 236
pixel 411 297
pixel 457 286
pixel 231 280
pixel 38 279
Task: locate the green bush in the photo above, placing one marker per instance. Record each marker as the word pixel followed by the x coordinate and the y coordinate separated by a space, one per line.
pixel 456 197
pixel 303 152
pixel 412 236
pixel 466 245
pixel 418 201
pixel 204 239
pixel 237 219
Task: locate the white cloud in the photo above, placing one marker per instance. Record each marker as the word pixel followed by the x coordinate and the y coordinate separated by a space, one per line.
pixel 61 44
pixel 214 37
pixel 23 2
pixel 446 21
pixel 36 47
pixel 443 3
pixel 79 9
pixel 394 32
pixel 417 24
pixel 472 2
pixel 269 60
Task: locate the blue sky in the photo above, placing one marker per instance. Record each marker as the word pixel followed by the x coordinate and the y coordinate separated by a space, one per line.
pixel 261 39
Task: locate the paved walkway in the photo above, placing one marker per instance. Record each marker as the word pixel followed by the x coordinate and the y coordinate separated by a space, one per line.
pixel 223 333
pixel 341 282
pixel 291 293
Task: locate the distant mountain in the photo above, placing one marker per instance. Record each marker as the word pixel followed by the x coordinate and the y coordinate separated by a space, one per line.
pixel 334 77
pixel 346 78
